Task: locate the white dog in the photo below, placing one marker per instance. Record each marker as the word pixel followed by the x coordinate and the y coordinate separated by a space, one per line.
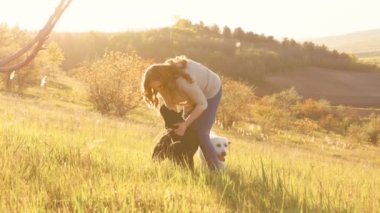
pixel 221 145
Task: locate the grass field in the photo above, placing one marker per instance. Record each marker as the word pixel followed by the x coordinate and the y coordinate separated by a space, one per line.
pixel 371 60
pixel 361 42
pixel 57 155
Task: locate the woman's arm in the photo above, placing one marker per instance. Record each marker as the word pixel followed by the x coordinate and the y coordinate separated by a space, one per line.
pixel 181 127
pixel 197 111
pixel 196 95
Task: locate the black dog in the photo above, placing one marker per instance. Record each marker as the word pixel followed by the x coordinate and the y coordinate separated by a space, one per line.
pixel 179 149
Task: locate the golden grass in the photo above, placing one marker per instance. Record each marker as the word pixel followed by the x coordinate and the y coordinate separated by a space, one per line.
pixel 56 156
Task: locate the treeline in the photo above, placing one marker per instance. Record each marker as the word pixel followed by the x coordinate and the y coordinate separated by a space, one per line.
pixel 234 53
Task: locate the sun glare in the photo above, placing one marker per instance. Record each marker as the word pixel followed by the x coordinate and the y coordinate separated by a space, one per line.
pixel 292 18
pixel 85 15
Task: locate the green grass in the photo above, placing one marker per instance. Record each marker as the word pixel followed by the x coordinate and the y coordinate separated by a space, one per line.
pixel 56 154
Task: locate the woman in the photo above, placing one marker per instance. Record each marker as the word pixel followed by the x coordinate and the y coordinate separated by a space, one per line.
pixel 184 82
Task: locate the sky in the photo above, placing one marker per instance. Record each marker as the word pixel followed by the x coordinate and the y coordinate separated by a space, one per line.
pixel 298 19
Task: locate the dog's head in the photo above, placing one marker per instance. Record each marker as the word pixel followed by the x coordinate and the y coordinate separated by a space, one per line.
pixel 170 117
pixel 221 145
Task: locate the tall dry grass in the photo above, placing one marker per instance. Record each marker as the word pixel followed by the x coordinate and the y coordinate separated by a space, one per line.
pixel 55 158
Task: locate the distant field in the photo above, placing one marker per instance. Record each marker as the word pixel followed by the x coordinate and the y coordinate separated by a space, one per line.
pixel 359 89
pixel 357 42
pixel 365 45
pixel 371 60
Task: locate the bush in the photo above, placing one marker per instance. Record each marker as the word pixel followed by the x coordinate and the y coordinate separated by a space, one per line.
pixel 114 82
pixel 306 126
pixel 373 129
pixel 368 131
pixel 270 117
pixel 287 100
pixel 278 110
pixel 356 133
pixel 235 104
pixel 314 109
pixel 348 116
pixel 332 123
pixel 322 112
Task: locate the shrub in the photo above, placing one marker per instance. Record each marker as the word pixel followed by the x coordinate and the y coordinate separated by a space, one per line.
pixel 356 133
pixel 114 82
pixel 368 131
pixel 348 116
pixel 314 109
pixel 373 129
pixel 278 110
pixel 306 126
pixel 235 104
pixel 288 99
pixel 270 117
pixel 332 123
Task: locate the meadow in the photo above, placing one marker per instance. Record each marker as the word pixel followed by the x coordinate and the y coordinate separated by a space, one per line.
pixel 371 60
pixel 57 154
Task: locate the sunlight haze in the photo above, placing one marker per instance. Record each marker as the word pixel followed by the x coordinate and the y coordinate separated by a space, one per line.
pixel 294 18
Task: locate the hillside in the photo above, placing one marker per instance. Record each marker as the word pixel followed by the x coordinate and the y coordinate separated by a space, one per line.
pixel 57 154
pixel 256 59
pixel 234 53
pixel 360 89
pixel 362 44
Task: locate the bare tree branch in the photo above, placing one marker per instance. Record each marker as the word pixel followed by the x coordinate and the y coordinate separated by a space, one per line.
pixel 35 44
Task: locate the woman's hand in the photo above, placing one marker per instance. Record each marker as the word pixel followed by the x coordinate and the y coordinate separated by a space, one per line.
pixel 181 128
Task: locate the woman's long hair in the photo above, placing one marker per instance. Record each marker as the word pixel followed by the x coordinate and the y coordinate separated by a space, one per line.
pixel 166 74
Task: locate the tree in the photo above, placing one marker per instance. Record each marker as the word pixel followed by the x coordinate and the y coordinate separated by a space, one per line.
pixel 35 45
pixel 238 33
pixel 52 58
pixel 226 32
pixel 46 61
pixel 215 29
pixel 21 59
pixel 183 23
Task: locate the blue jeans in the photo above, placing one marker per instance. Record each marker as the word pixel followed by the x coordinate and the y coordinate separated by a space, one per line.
pixel 203 125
